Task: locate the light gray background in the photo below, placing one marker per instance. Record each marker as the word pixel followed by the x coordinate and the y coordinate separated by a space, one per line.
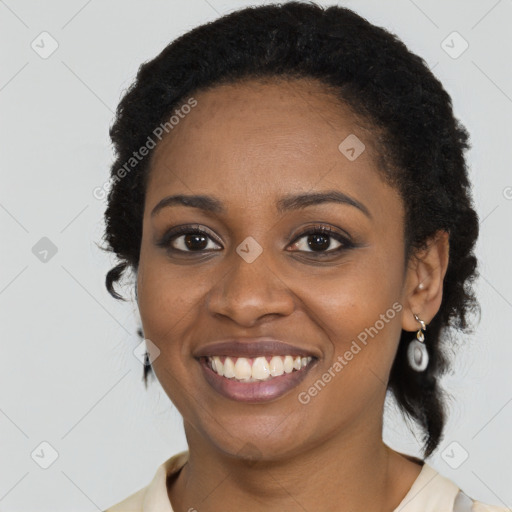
pixel 68 375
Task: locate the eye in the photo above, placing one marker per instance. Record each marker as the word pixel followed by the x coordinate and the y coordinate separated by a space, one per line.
pixel 187 239
pixel 319 239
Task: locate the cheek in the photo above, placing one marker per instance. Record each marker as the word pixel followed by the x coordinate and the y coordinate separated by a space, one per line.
pixel 172 307
pixel 359 302
pixel 162 287
pixel 163 300
pixel 165 304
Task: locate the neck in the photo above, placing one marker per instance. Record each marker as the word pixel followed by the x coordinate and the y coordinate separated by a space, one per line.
pixel 353 469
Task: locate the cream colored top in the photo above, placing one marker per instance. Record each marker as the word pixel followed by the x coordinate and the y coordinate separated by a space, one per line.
pixel 430 492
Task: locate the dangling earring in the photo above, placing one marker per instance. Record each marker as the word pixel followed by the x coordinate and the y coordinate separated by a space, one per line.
pixel 417 352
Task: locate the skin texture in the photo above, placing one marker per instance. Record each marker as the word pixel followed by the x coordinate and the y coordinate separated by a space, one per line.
pixel 249 144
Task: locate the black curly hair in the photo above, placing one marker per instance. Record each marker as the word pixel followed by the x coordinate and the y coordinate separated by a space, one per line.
pixel 420 148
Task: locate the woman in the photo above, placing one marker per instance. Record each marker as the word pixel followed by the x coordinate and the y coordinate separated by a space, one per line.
pixel 291 193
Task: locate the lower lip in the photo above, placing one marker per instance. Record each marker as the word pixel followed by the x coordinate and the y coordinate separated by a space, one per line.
pixel 254 392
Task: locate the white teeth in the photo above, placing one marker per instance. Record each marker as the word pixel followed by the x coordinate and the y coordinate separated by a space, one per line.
pixel 288 364
pixel 217 365
pixel 229 368
pixel 260 369
pixel 276 366
pixel 243 368
pixel 257 369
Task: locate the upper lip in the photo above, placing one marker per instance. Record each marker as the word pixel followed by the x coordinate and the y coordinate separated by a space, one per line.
pixel 251 347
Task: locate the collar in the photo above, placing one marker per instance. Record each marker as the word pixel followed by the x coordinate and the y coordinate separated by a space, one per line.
pixel 430 492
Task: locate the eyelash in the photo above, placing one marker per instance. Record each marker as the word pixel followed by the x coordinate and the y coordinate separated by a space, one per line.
pixel 175 233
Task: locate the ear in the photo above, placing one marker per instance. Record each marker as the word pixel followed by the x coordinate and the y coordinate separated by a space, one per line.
pixel 423 289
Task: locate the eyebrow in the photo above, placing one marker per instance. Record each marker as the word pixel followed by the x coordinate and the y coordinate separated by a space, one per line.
pixel 284 204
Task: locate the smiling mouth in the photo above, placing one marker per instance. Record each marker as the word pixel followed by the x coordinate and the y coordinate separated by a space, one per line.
pixel 257 369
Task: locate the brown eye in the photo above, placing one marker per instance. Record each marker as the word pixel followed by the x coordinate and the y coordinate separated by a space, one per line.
pixel 320 240
pixel 187 239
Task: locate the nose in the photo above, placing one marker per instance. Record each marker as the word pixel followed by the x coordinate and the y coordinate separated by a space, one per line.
pixel 250 291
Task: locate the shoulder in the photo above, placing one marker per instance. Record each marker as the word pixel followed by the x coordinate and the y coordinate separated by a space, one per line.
pixel 463 503
pixel 478 506
pixel 432 492
pixel 154 495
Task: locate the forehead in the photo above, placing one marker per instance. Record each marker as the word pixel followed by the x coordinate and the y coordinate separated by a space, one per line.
pixel 298 113
pixel 270 137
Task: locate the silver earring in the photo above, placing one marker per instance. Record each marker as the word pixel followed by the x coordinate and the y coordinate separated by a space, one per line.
pixel 417 352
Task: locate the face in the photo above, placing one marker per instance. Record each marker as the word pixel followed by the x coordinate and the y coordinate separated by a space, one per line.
pixel 262 268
